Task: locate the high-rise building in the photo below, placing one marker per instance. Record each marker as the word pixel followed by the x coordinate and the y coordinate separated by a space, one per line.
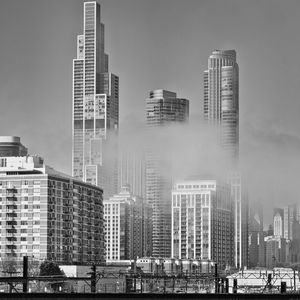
pixel 278 221
pixel 95 107
pixel 275 251
pixel 48 215
pixel 202 221
pixel 132 171
pixel 240 208
pixel 163 108
pixel 289 220
pixel 128 226
pixel 11 146
pixel 221 98
pixel 221 111
pixel 256 236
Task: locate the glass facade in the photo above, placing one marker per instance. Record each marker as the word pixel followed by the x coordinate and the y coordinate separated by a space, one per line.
pixel 221 98
pixel 162 108
pixel 95 105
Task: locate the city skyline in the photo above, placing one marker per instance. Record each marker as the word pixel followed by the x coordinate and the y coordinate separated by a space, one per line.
pixel 268 106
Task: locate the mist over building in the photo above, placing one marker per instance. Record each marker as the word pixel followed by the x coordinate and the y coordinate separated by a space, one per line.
pixel 163 108
pixel 95 107
pixel 221 111
pixel 221 98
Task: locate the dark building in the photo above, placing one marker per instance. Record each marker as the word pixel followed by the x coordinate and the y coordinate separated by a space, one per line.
pixel 11 146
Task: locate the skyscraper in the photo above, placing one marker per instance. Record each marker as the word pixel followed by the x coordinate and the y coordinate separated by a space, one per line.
pixel 221 98
pixel 131 171
pixel 95 106
pixel 278 222
pixel 289 219
pixel 163 108
pixel 221 110
pixel 256 237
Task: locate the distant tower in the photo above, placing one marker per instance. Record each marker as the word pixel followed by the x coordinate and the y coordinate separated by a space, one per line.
pixel 163 108
pixel 278 222
pixel 221 98
pixel 95 107
pixel 11 146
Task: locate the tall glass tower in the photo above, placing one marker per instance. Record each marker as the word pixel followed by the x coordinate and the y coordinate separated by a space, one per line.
pixel 221 97
pixel 221 110
pixel 163 108
pixel 95 107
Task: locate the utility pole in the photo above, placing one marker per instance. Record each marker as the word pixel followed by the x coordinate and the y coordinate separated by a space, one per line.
pixel 25 274
pixel 93 279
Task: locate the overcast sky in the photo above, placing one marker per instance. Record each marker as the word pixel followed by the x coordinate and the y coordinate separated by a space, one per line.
pixel 156 44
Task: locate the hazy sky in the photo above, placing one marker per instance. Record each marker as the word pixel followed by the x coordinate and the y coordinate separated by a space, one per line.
pixel 158 44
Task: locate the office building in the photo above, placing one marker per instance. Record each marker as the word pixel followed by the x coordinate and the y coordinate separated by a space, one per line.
pixel 275 251
pixel 290 221
pixel 221 98
pixel 11 146
pixel 95 107
pixel 221 111
pixel 278 221
pixel 256 236
pixel 239 196
pixel 48 215
pixel 132 171
pixel 127 226
pixel 163 108
pixel 202 221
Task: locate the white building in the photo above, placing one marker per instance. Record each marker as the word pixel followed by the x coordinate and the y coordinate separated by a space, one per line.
pixel 278 221
pixel 202 221
pixel 48 215
pixel 127 226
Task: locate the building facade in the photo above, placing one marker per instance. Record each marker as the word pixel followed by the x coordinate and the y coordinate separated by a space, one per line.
pixel 221 98
pixel 240 208
pixel 127 226
pixel 132 171
pixel 275 251
pixel 163 108
pixel 202 221
pixel 256 235
pixel 11 146
pixel 278 221
pixel 48 215
pixel 95 107
pixel 221 111
pixel 289 221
